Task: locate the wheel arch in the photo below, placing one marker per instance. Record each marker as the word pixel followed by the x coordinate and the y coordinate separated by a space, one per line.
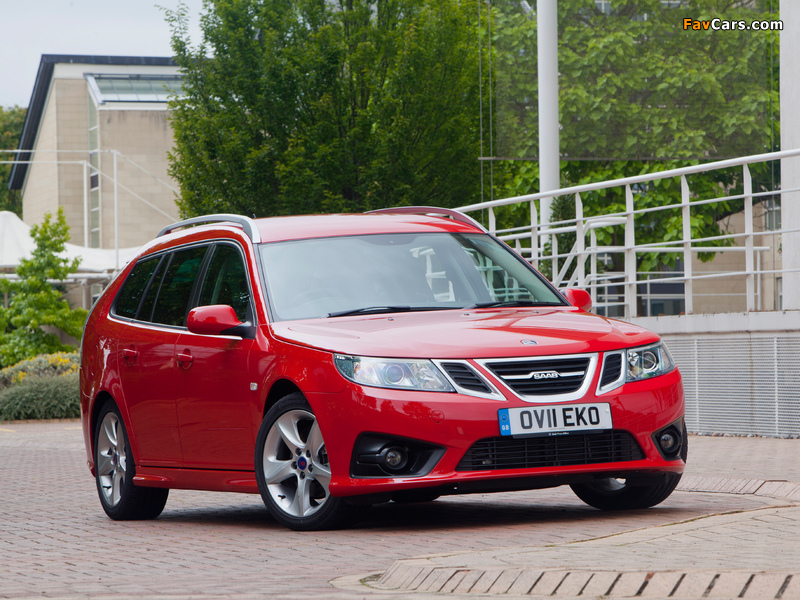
pixel 99 402
pixel 279 389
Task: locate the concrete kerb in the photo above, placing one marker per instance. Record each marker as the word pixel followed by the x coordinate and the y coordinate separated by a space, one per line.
pixel 749 554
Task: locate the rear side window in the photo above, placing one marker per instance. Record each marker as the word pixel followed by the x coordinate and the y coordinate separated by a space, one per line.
pixel 134 288
pixel 175 291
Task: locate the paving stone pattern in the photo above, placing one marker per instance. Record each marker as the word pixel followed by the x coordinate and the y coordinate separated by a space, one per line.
pixel 56 542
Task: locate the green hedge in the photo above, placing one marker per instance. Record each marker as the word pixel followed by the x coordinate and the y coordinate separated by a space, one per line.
pixel 45 387
pixel 42 398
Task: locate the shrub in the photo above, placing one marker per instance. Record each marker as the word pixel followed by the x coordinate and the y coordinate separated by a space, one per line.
pixel 37 397
pixel 44 365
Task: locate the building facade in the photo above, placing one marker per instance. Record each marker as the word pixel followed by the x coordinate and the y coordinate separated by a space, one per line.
pixel 95 143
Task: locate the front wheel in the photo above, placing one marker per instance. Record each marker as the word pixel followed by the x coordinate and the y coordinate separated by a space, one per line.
pixel 293 471
pixel 114 470
pixel 626 494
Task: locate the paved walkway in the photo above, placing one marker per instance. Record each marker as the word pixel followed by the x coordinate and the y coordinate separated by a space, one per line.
pixel 751 554
pixel 55 541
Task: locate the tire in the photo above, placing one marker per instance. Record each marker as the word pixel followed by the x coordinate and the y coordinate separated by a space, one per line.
pixel 293 472
pixel 626 494
pixel 114 470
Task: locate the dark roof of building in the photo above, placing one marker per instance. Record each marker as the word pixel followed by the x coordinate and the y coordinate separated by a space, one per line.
pixel 39 97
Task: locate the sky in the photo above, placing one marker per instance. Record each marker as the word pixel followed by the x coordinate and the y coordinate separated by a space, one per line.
pixel 30 28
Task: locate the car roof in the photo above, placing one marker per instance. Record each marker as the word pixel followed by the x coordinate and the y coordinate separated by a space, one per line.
pixel 276 229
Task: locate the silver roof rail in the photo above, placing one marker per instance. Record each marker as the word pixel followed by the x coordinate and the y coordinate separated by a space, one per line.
pixel 431 210
pixel 248 224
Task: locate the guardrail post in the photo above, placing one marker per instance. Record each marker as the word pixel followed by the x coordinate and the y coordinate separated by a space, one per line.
pixel 580 241
pixel 554 253
pixel 534 235
pixel 749 262
pixel 630 256
pixel 492 221
pixel 686 215
pixel 593 265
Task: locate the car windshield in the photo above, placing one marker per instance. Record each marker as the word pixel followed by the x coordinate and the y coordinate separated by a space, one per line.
pixel 369 274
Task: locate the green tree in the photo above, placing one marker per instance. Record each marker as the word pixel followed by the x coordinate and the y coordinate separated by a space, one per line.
pixel 299 106
pixel 11 120
pixel 35 302
pixel 639 94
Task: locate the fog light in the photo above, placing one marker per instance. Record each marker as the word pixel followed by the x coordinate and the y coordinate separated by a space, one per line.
pixel 668 441
pixel 395 458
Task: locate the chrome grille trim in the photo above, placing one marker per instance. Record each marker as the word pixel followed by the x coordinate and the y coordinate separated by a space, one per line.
pixel 493 394
pixel 544 364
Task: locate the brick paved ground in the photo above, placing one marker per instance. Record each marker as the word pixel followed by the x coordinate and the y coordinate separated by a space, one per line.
pixel 55 541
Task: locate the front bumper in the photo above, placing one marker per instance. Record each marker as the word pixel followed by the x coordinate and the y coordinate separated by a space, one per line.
pixel 456 422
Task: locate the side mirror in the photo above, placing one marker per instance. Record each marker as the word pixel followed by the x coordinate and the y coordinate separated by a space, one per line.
pixel 218 319
pixel 579 298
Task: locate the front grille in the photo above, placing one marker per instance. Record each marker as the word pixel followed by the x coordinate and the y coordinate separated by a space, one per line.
pixel 493 454
pixel 612 369
pixel 542 377
pixel 466 377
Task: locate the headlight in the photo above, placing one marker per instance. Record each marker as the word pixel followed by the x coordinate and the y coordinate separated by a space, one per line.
pixel 396 373
pixel 647 362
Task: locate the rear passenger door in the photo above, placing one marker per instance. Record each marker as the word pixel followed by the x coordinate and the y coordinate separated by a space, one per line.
pixel 147 346
pixel 215 402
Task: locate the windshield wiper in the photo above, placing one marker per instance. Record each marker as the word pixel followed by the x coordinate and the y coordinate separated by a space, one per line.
pixel 509 303
pixel 370 310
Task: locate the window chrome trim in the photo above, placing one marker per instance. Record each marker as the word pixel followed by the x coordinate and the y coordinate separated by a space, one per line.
pixel 591 371
pixel 495 393
pixel 617 383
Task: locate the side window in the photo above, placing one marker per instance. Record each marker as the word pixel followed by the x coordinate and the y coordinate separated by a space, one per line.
pixel 226 281
pixel 134 288
pixel 146 309
pixel 176 288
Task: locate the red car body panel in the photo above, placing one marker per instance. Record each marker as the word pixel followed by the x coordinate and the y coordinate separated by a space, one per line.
pixel 192 422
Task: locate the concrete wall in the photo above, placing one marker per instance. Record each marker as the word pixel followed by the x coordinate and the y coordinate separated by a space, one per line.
pixel 143 137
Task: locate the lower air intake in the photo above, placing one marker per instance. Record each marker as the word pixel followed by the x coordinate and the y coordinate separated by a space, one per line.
pixel 493 454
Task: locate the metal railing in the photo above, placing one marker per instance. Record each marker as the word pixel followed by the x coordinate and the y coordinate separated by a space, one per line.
pixel 539 242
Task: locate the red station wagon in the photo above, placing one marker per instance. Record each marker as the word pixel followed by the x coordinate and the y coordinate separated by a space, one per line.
pixel 332 362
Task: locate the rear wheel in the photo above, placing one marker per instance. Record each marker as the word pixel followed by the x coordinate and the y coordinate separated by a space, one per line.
pixel 626 494
pixel 293 471
pixel 114 470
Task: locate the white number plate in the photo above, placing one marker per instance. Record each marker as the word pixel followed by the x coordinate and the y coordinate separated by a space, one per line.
pixel 561 419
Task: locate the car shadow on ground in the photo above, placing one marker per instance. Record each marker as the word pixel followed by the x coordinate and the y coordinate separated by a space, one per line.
pixel 443 514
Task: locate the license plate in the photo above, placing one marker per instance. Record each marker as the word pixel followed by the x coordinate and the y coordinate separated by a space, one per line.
pixel 562 419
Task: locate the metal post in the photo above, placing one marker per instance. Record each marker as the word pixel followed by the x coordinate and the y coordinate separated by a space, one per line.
pixel 534 235
pixel 630 256
pixel 85 204
pixel 593 290
pixel 492 221
pixel 749 262
pixel 116 213
pixel 686 215
pixel 580 241
pixel 549 155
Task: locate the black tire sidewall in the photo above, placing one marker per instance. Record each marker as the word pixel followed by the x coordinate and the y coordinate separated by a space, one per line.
pixel 334 513
pixel 136 503
pixel 118 511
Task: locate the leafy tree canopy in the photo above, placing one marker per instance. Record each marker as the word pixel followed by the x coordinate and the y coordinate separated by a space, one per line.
pixel 11 121
pixel 639 94
pixel 34 302
pixel 299 106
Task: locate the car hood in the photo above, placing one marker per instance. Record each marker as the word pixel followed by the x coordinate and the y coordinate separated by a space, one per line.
pixel 485 333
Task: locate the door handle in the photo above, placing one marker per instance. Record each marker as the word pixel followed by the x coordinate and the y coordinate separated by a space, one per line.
pixel 184 358
pixel 130 354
